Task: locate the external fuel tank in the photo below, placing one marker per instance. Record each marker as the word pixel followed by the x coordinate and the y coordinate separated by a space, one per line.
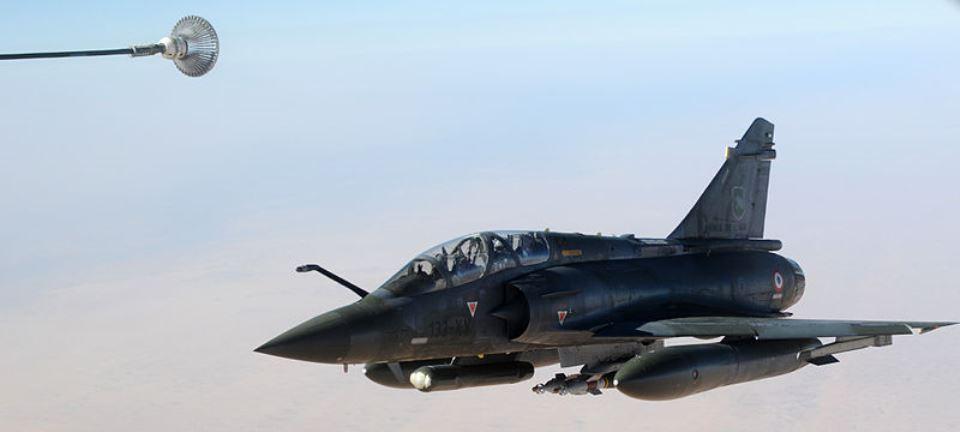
pixel 679 371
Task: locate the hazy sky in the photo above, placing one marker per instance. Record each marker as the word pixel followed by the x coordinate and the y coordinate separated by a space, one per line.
pixel 151 222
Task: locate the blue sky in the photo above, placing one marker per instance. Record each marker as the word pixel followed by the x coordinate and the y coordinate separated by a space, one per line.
pixel 359 133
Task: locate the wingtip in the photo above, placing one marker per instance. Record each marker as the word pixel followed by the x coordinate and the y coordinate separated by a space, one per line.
pixel 934 326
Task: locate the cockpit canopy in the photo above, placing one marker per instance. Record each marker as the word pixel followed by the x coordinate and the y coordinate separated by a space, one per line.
pixel 467 259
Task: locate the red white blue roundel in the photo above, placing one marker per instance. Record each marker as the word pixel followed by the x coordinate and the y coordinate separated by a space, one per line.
pixel 777 281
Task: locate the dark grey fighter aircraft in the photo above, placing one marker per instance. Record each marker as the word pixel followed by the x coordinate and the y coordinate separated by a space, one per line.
pixel 488 308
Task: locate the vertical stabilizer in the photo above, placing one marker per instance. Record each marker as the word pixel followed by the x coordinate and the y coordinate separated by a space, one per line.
pixel 735 203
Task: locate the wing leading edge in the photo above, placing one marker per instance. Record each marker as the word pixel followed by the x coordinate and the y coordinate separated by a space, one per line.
pixel 767 328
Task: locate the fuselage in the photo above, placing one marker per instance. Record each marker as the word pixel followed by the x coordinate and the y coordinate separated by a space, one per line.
pixel 508 292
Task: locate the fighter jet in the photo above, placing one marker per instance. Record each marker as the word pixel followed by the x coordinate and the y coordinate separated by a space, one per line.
pixel 488 308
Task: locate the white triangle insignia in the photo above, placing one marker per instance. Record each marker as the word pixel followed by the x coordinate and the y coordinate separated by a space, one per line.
pixel 472 306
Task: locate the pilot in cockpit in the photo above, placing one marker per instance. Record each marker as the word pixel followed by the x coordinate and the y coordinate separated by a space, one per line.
pixel 465 260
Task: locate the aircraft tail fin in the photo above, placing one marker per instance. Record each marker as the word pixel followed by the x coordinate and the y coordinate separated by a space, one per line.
pixel 734 204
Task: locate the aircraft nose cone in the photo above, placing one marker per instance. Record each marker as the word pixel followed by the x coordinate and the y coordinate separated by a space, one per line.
pixel 323 339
